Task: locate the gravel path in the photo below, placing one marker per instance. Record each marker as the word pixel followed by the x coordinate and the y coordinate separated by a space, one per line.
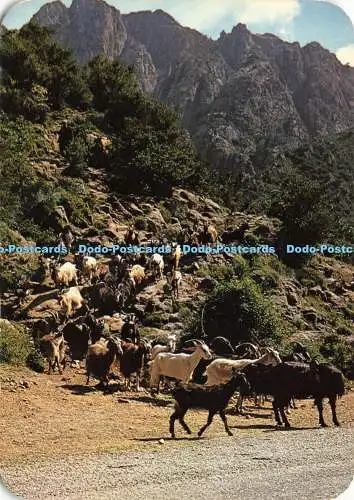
pixel 299 464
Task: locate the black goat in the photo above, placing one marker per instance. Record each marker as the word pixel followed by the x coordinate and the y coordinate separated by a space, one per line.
pixel 118 268
pixel 105 299
pixel 214 399
pixel 299 353
pixel 130 330
pixel 231 236
pixel 133 359
pixel 297 380
pixel 222 346
pixel 77 333
pixel 66 238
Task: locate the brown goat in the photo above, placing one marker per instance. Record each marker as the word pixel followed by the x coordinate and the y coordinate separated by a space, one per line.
pixel 52 348
pixel 131 237
pixel 100 358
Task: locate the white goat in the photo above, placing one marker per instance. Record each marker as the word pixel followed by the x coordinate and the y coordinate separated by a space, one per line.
pixel 170 347
pixel 89 267
pixel 179 366
pixel 220 370
pixel 157 265
pixel 65 274
pixel 71 300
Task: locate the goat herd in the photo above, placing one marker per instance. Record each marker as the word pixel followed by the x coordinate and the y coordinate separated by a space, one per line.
pixel 207 374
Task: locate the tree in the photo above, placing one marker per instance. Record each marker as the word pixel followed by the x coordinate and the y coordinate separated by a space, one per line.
pixel 307 214
pixel 38 74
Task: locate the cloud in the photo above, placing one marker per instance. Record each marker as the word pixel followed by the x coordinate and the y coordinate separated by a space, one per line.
pixel 268 11
pixel 204 15
pixel 346 5
pixel 346 54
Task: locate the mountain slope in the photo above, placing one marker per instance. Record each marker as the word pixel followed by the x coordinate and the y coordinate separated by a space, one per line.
pixel 237 95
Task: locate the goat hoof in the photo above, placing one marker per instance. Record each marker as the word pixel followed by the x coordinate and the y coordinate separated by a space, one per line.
pixel 324 425
pixel 230 433
pixel 337 424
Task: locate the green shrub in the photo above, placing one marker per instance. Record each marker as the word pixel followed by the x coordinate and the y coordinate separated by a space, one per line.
pixel 251 239
pixel 339 352
pixel 266 278
pixel 239 265
pixel 242 313
pixel 15 345
pixel 165 212
pixel 309 276
pixel 35 361
pixel 202 272
pixel 344 330
pixel 221 272
pixel 155 319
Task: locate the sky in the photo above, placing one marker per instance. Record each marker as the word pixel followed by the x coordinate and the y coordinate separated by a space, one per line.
pixel 330 23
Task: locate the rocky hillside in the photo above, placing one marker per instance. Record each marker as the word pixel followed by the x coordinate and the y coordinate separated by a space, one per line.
pixel 90 149
pixel 239 95
pixel 313 304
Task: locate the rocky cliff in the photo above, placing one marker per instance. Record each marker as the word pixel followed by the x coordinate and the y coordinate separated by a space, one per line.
pixel 239 95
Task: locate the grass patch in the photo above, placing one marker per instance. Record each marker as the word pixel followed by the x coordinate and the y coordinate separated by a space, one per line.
pixel 15 345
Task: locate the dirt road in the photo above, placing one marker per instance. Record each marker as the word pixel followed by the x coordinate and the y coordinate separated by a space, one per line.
pixel 298 464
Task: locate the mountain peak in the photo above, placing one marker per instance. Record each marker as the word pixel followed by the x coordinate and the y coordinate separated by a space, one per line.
pixel 238 95
pixel 164 16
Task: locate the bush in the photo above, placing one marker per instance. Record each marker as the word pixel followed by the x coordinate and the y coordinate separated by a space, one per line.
pixel 155 319
pixel 221 272
pixel 240 265
pixel 35 361
pixel 15 345
pixel 339 352
pixel 344 330
pixel 242 313
pixel 309 276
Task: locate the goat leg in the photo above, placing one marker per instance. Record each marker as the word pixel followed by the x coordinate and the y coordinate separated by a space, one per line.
pixel 88 379
pixel 239 409
pixel 57 362
pixel 182 422
pixel 138 382
pixel 276 413
pixel 209 421
pixel 332 402
pixel 173 418
pixel 223 418
pixel 319 404
pixel 284 417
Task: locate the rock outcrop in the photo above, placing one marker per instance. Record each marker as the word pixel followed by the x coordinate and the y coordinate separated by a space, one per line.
pixel 239 96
